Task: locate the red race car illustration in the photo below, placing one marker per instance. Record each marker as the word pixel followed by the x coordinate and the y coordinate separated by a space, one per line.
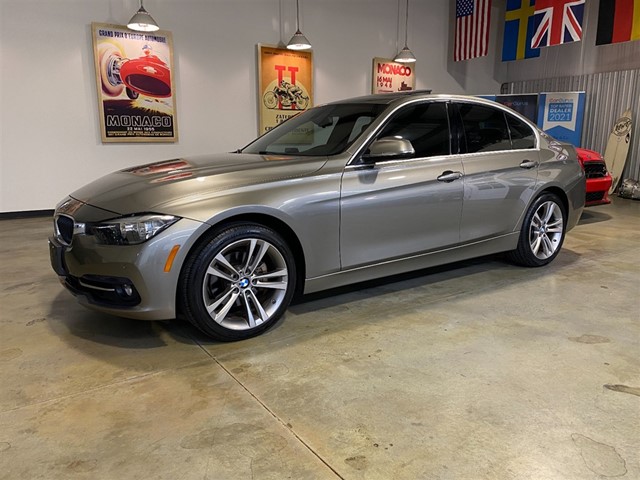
pixel 598 178
pixel 146 75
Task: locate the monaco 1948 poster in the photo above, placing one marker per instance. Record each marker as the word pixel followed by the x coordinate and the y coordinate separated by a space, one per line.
pixel 389 76
pixel 284 84
pixel 136 94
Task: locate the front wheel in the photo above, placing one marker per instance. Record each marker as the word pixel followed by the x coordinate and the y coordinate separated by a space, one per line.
pixel 238 283
pixel 542 232
pixel 132 94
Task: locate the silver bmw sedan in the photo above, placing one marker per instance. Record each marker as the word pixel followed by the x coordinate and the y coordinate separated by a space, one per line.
pixel 341 193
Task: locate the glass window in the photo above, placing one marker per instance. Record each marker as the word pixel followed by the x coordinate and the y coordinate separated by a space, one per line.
pixel 485 128
pixel 326 130
pixel 522 136
pixel 425 125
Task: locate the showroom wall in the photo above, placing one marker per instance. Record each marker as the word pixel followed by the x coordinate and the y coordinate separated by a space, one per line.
pixel 578 58
pixel 585 66
pixel 50 137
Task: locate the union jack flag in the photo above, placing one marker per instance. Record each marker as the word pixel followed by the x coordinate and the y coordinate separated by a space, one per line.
pixel 556 22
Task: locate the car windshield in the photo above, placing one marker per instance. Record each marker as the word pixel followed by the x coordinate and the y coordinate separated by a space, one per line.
pixel 320 131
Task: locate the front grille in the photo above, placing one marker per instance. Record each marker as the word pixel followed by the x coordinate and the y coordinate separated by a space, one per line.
pixel 595 169
pixel 64 228
pixel 594 196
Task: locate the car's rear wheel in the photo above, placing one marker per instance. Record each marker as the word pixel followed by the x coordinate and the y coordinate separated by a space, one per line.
pixel 542 232
pixel 238 282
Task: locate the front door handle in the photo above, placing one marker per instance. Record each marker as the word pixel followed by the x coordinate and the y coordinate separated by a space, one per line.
pixel 528 164
pixel 449 176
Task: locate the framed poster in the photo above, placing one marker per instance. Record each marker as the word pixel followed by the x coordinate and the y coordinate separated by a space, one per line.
pixel 136 94
pixel 285 84
pixel 389 76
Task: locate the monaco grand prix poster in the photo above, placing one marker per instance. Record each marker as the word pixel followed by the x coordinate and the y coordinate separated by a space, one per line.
pixel 284 84
pixel 136 94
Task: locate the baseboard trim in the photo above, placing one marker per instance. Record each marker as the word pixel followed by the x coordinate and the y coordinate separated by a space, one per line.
pixel 25 214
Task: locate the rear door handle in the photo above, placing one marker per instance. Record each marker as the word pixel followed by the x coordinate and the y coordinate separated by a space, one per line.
pixel 528 164
pixel 449 176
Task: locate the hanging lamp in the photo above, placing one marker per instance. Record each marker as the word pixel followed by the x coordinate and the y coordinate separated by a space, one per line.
pixel 298 41
pixel 405 55
pixel 142 21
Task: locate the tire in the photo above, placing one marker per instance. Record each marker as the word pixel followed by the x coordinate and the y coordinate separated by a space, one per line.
pixel 542 233
pixel 132 94
pixel 270 100
pixel 107 54
pixel 238 283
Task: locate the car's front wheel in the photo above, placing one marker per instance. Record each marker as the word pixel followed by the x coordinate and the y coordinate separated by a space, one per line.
pixel 238 282
pixel 542 232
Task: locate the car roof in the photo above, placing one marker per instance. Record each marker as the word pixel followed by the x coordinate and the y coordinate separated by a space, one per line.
pixel 401 97
pixel 386 98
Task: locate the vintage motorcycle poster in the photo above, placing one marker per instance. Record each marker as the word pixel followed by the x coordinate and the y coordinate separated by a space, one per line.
pixel 136 94
pixel 389 76
pixel 284 84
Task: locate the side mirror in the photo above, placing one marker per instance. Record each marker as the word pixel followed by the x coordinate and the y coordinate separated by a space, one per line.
pixel 389 148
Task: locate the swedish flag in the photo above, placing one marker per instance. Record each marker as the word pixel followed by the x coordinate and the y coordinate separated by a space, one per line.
pixel 518 30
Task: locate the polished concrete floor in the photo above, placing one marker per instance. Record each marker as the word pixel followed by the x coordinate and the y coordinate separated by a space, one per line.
pixel 482 370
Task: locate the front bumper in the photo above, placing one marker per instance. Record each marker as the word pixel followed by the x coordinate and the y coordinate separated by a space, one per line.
pixel 598 191
pixel 125 280
pixel 100 291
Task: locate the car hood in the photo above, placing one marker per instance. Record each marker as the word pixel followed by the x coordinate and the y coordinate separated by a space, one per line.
pixel 160 187
pixel 585 155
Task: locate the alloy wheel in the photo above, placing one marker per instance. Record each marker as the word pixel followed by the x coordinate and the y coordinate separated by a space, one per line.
pixel 245 284
pixel 546 229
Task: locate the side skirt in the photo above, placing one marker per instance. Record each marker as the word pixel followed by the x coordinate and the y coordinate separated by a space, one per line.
pixel 503 243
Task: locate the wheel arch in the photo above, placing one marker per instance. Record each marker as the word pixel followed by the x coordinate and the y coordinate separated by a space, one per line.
pixel 560 193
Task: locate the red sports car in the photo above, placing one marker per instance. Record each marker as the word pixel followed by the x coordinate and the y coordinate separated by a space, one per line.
pixel 598 178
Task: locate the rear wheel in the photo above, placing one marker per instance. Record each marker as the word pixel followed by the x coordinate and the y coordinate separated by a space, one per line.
pixel 238 283
pixel 542 232
pixel 270 100
pixel 302 102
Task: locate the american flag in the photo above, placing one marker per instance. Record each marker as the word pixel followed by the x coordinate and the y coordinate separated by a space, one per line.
pixel 556 22
pixel 472 29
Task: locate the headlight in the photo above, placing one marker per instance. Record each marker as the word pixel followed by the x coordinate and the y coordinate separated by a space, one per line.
pixel 130 230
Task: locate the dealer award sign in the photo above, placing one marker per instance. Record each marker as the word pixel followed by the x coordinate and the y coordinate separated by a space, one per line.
pixel 284 85
pixel 389 76
pixel 136 94
pixel 560 114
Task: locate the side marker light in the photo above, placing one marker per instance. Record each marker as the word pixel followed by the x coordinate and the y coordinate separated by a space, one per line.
pixel 172 255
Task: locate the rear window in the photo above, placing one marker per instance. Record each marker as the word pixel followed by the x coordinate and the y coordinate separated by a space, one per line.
pixel 485 128
pixel 522 136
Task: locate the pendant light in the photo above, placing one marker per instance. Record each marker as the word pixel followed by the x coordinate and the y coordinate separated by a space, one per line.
pixel 142 21
pixel 405 55
pixel 298 41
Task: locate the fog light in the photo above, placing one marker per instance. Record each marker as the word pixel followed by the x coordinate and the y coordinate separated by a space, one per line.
pixel 128 290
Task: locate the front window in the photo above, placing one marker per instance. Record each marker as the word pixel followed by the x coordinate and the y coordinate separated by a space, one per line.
pixel 320 131
pixel 425 125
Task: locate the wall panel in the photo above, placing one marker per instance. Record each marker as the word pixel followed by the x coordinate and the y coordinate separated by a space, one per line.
pixel 608 95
